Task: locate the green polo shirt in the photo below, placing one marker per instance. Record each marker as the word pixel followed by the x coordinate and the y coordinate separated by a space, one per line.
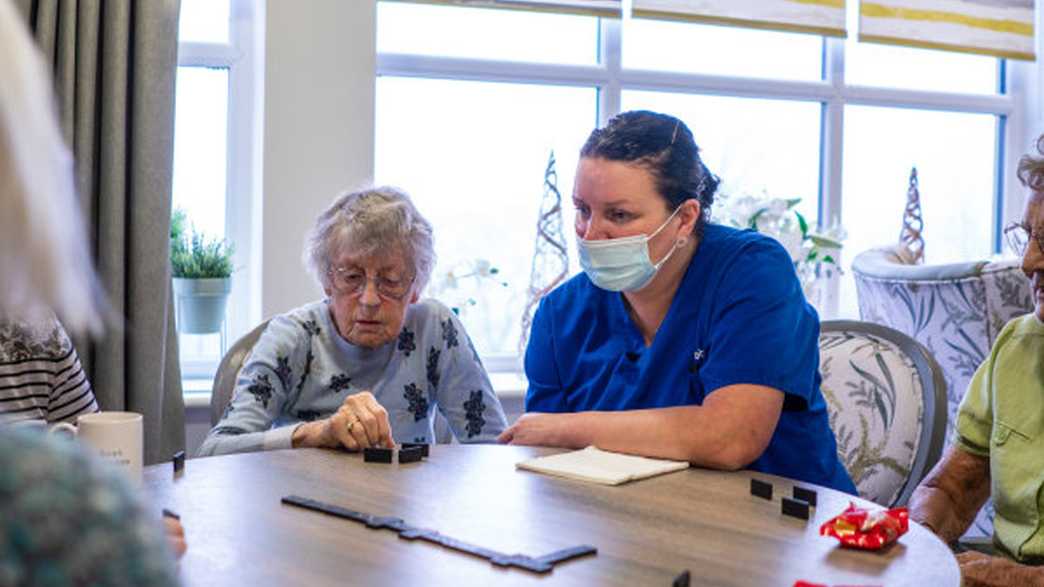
pixel 1002 417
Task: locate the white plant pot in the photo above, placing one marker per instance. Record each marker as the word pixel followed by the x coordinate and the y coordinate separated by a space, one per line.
pixel 201 304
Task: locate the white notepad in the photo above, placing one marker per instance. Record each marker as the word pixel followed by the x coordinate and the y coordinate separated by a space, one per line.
pixel 599 466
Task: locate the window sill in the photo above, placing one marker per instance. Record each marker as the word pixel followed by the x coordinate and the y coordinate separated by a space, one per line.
pixel 196 392
pixel 507 385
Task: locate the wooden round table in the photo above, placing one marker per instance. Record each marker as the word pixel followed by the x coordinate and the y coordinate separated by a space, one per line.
pixel 646 532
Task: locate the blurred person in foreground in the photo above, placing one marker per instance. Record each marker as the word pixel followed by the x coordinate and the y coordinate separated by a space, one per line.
pixel 65 517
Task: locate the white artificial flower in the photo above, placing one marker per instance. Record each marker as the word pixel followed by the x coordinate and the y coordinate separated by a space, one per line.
pixel 744 209
pixel 482 267
pixel 793 243
pixel 777 207
pixel 777 218
pixel 448 281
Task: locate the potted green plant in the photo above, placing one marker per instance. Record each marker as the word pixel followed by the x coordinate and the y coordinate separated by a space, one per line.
pixel 202 275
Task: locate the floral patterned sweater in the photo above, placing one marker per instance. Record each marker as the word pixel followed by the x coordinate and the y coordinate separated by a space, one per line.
pixel 301 370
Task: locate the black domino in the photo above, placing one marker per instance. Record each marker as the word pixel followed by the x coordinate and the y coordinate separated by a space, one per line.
pixel 806 495
pixel 421 445
pixel 179 461
pixel 795 508
pixel 377 455
pixel 410 455
pixel 761 489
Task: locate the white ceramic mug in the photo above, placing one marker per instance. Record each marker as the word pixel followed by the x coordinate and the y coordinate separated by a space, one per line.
pixel 117 437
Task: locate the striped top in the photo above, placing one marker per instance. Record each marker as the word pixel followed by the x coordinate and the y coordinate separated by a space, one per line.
pixel 40 373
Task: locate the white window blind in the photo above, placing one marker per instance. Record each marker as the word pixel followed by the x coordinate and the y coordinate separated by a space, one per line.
pixel 1003 28
pixel 821 17
pixel 603 8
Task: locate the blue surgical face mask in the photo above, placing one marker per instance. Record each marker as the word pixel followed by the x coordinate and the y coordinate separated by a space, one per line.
pixel 622 264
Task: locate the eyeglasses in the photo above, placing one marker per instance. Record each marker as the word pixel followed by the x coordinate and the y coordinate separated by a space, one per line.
pixel 1018 236
pixel 352 282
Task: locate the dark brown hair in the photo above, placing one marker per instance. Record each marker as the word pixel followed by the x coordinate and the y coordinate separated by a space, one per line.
pixel 662 145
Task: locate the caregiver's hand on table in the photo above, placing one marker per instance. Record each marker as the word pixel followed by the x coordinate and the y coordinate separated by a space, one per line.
pixel 539 429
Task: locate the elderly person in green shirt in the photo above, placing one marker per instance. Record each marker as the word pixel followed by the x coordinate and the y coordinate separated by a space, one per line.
pixel 999 448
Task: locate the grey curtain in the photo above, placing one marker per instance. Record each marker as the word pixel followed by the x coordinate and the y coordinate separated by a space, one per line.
pixel 114 63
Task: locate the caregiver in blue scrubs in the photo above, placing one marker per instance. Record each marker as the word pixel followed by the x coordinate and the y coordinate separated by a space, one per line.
pixel 681 339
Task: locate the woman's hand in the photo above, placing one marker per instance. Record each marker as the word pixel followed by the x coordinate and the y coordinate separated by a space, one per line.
pixel 538 429
pixel 982 570
pixel 729 431
pixel 948 498
pixel 175 536
pixel 361 422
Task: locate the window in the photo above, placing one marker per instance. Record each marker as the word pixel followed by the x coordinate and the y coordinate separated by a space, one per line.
pixel 867 64
pixel 204 22
pixel 954 155
pixel 442 31
pixel 655 45
pixel 834 122
pixel 755 145
pixel 213 165
pixel 201 146
pixel 480 159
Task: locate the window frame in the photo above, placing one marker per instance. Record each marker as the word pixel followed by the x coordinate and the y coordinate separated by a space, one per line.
pixel 610 79
pixel 241 56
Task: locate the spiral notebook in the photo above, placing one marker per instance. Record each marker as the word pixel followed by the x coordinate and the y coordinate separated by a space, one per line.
pixel 599 466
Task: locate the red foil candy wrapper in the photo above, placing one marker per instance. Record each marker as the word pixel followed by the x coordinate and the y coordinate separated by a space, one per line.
pixel 867 530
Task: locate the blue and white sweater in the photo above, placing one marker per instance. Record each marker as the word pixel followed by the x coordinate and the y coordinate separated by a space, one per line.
pixel 301 370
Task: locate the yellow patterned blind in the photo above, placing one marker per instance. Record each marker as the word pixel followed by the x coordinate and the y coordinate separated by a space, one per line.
pixel 821 17
pixel 603 8
pixel 1002 28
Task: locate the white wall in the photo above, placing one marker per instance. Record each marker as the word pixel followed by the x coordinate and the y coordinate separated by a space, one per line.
pixel 320 78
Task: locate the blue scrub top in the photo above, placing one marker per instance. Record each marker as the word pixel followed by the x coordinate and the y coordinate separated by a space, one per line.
pixel 739 316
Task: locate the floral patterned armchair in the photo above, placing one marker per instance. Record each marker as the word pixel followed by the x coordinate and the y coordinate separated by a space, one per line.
pixel 886 400
pixel 954 310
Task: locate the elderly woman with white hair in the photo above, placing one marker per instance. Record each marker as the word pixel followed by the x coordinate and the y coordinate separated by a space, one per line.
pixel 368 365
